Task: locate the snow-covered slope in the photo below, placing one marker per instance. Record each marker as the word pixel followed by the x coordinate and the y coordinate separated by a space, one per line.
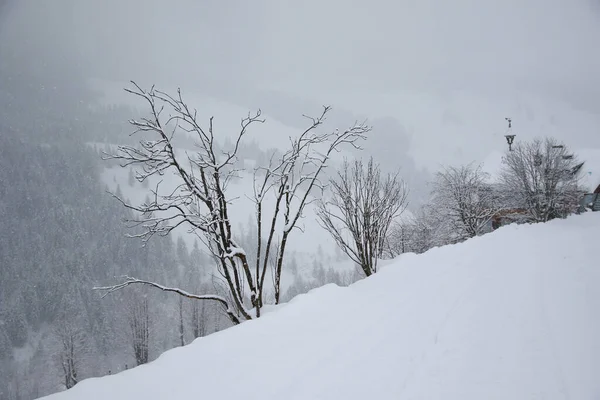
pixel 510 315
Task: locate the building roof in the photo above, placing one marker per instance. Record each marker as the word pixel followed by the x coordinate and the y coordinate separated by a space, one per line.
pixel 590 172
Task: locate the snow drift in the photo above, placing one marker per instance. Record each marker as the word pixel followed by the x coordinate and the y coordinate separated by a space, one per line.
pixel 510 315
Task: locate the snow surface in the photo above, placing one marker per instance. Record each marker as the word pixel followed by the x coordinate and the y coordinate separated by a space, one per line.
pixel 509 315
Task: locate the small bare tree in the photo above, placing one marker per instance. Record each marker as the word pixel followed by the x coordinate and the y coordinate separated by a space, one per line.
pixel 181 324
pixel 199 319
pixel 428 229
pixel 361 208
pixel 465 199
pixel 398 239
pixel 541 177
pixel 200 199
pixel 139 324
pixel 72 350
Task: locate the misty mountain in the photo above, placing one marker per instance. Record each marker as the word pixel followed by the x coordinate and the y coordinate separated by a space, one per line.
pixel 434 79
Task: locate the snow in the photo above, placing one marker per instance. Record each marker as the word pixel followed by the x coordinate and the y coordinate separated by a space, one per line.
pixel 508 315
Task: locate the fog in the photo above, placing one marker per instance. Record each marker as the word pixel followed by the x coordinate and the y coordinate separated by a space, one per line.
pixel 467 63
pixel 435 78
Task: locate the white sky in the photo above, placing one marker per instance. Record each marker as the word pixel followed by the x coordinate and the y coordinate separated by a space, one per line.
pixel 448 71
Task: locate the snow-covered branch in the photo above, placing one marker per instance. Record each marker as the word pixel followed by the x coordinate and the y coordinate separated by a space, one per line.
pixel 199 200
pixel 128 280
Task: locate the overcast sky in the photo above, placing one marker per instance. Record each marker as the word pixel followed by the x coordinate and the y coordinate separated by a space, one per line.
pixel 465 60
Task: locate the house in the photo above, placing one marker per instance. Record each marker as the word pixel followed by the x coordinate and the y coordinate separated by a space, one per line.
pixel 587 171
pixel 590 180
pixel 508 216
pixel 590 201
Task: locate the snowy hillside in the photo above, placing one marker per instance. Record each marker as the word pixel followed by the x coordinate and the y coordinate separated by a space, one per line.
pixel 510 315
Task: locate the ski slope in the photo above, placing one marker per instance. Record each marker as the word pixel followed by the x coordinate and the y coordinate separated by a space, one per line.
pixel 509 315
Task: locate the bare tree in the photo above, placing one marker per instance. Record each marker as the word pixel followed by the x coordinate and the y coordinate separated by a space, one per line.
pixel 72 350
pixel 139 324
pixel 465 199
pixel 429 229
pixel 361 208
pixel 425 229
pixel 199 319
pixel 398 239
pixel 292 178
pixel 181 325
pixel 201 312
pixel 541 177
pixel 200 200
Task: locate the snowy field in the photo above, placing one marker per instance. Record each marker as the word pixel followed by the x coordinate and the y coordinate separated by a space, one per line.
pixel 510 315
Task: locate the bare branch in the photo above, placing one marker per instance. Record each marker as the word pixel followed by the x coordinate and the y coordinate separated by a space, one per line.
pixel 199 199
pixel 361 210
pixel 134 281
pixel 464 198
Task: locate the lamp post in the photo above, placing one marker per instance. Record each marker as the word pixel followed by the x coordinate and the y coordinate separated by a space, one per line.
pixel 510 137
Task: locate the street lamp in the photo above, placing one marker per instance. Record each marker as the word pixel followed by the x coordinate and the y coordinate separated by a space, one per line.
pixel 510 138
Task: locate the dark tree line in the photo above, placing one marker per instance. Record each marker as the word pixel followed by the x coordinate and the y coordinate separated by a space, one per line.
pixel 61 235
